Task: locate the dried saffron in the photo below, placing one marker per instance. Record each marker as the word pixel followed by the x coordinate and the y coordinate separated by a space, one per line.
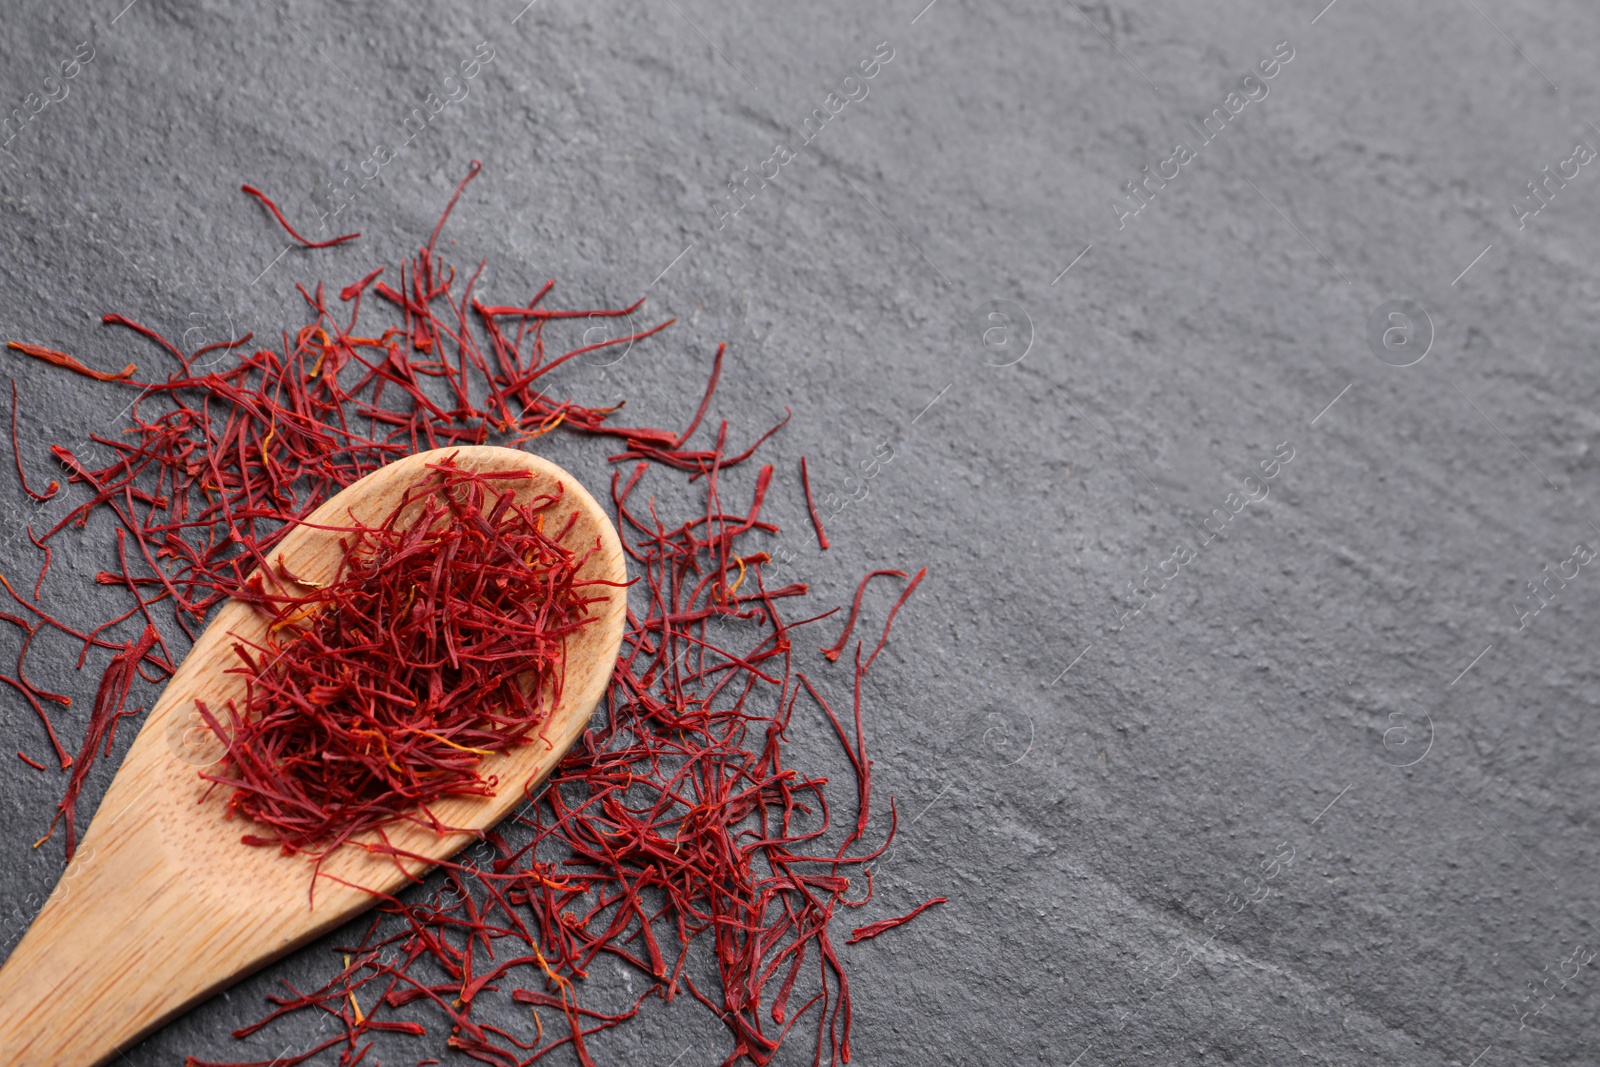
pixel 270 206
pixel 379 693
pixel 871 930
pixel 811 506
pixel 833 651
pixel 678 838
pixel 16 453
pixel 109 705
pixel 61 359
pixel 911 587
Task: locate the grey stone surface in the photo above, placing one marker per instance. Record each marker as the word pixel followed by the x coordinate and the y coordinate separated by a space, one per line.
pixel 1300 688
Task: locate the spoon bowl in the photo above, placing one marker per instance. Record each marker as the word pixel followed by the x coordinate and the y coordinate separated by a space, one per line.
pixel 162 906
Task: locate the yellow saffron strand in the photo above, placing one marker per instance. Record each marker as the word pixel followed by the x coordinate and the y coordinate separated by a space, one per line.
pixel 447 741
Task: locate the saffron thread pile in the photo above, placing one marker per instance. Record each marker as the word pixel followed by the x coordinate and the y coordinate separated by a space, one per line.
pixel 441 641
pixel 678 838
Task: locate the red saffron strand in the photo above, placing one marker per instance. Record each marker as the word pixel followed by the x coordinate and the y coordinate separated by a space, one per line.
pixel 705 401
pixel 871 930
pixel 473 169
pixel 811 506
pixel 44 568
pixel 29 762
pixel 837 648
pixel 911 587
pixel 38 709
pixel 270 206
pixel 61 359
pixel 16 453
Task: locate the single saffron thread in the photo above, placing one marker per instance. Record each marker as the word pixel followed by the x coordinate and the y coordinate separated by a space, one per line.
pixel 871 930
pixel 834 651
pixel 270 206
pixel 61 359
pixel 16 453
pixel 811 507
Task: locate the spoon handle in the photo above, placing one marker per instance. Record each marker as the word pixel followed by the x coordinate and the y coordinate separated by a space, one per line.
pixel 111 955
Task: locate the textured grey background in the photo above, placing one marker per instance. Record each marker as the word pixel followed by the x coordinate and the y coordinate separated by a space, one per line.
pixel 1095 830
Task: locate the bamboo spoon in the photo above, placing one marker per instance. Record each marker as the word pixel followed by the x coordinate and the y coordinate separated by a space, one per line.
pixel 162 906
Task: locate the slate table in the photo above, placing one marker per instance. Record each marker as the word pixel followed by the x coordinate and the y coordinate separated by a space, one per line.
pixel 1234 361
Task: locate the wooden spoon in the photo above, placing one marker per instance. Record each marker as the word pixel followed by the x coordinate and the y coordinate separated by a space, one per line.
pixel 162 906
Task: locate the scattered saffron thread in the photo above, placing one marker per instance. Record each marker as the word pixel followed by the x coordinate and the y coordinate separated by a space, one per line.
pixel 16 452
pixel 61 359
pixel 837 648
pixel 270 206
pixel 888 622
pixel 811 506
pixel 871 930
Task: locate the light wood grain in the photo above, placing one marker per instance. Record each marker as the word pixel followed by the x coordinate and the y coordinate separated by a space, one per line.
pixel 162 906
